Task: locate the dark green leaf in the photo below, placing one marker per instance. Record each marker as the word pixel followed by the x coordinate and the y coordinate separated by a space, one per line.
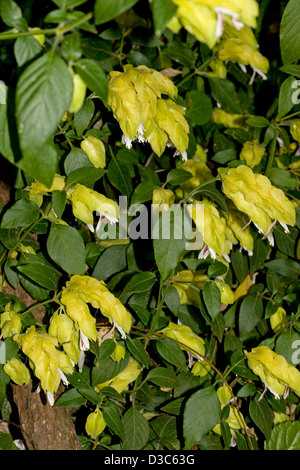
pixel 94 77
pixel 136 429
pixel 202 412
pixel 22 214
pixel 66 248
pixel 290 33
pixel 170 351
pixel 284 436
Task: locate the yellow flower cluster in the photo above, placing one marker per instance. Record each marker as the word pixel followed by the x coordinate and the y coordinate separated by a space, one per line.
pixel 63 328
pixel 10 322
pixel 254 195
pixel 274 371
pixel 212 228
pixel 205 19
pixel 240 46
pixel 48 363
pixel 37 190
pixel 81 290
pixel 135 98
pixel 85 201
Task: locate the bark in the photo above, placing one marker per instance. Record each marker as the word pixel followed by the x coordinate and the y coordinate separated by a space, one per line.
pixel 43 427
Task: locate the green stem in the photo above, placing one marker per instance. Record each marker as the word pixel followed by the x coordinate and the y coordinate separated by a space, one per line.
pixel 59 30
pixel 271 156
pixel 34 307
pixel 157 313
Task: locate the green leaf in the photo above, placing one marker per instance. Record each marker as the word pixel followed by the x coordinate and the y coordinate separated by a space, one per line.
pixel 282 178
pixel 65 4
pixel 71 398
pixel 202 412
pixel 163 11
pixel 111 415
pixel 290 33
pixel 106 11
pixel 163 377
pixel 143 192
pixel 108 369
pixel 137 350
pixel 119 174
pixel 284 436
pixel 86 176
pixel 292 69
pixel 285 267
pixel 111 261
pixel 11 14
pixel 22 214
pixel 141 282
pixel 262 415
pixel 58 200
pixel 240 265
pixel 81 382
pixel 43 275
pixel 6 442
pixel 169 239
pixel 212 299
pixel 136 429
pixel 94 77
pixel 71 47
pixel 224 92
pixel 251 312
pixel 66 248
pixel 76 159
pixel 44 92
pixel 258 121
pixel 285 103
pixel 177 176
pixel 287 345
pixel 170 351
pixel 26 49
pixel 199 108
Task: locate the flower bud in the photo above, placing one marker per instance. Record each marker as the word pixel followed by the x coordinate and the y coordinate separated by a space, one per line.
pixel 278 319
pixel 17 371
pixel 252 153
pixel 79 93
pixel 95 423
pixel 95 150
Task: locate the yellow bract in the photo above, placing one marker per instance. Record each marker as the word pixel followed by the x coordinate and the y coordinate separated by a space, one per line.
pixel 230 120
pixel 135 98
pixel 63 328
pixel 227 296
pixel 211 226
pixel 188 340
pixel 85 201
pixel 37 190
pixel 237 229
pixel 188 283
pixel 81 290
pixel 10 323
pixel 17 371
pixel 252 153
pixel 45 359
pixel 205 19
pixel 121 381
pixel 254 195
pixel 273 370
pixel 235 420
pixel 278 319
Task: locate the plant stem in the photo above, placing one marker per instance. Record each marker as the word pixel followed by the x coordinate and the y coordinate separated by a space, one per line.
pixel 58 30
pixel 271 156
